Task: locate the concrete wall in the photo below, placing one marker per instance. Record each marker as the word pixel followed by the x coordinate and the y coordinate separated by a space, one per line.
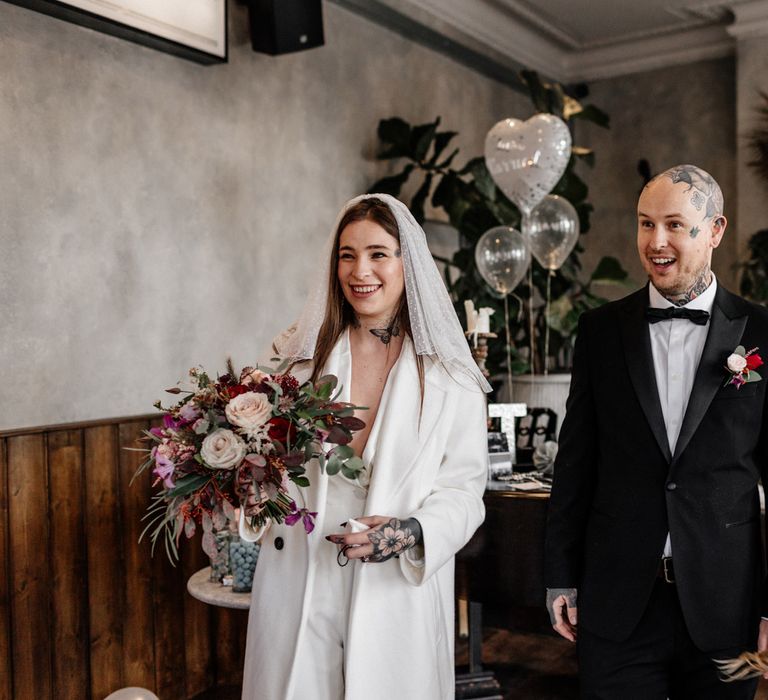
pixel 752 62
pixel 156 214
pixel 682 114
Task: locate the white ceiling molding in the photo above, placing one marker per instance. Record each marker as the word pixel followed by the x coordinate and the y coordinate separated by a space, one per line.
pixel 751 20
pixel 650 53
pixel 496 29
pixel 516 30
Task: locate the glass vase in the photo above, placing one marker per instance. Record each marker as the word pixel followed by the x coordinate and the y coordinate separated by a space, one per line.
pixel 243 556
pixel 220 565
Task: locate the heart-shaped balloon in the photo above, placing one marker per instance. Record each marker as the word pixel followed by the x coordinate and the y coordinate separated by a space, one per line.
pixel 526 159
pixel 502 256
pixel 552 229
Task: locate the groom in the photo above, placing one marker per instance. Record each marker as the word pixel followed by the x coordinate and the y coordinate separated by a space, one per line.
pixel 653 550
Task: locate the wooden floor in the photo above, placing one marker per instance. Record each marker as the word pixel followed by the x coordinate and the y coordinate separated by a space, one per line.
pixel 527 666
pixel 536 667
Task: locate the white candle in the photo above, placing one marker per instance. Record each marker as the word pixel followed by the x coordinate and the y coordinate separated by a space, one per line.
pixel 484 320
pixel 469 308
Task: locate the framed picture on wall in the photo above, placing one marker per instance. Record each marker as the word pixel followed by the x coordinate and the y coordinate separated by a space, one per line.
pixel 191 29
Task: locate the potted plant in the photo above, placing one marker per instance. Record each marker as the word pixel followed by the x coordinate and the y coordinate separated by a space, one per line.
pixel 754 271
pixel 473 204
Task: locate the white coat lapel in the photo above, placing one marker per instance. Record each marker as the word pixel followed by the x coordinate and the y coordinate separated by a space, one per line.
pixel 401 437
pixel 339 364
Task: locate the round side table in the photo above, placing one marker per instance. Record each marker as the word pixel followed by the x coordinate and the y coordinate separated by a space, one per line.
pixel 201 587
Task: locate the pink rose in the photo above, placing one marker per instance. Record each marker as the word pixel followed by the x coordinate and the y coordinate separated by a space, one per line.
pixel 249 411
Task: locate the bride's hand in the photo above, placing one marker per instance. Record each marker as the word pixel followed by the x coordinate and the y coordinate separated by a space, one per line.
pixel 385 538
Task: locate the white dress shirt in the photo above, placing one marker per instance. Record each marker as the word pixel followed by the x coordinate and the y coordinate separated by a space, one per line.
pixel 676 346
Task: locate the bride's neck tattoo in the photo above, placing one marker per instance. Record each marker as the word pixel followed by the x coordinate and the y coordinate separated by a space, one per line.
pixel 699 287
pixel 385 335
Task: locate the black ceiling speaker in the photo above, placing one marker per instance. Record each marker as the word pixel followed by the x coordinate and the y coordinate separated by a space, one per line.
pixel 283 26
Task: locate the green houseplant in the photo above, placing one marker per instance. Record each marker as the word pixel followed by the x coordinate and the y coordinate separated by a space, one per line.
pixel 473 204
pixel 754 271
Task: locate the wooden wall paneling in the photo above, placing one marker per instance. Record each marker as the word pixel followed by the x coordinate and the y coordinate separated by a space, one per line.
pixel 170 589
pixel 170 660
pixel 6 676
pixel 30 572
pixel 230 645
pixel 69 565
pixel 138 639
pixel 106 573
pixel 198 629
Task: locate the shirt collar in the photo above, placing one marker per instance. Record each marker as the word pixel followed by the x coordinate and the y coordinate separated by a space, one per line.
pixel 703 302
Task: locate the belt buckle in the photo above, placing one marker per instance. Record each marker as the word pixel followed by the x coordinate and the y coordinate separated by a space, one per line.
pixel 666 565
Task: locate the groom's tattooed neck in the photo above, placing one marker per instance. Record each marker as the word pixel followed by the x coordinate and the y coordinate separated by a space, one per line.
pixel 385 335
pixel 394 537
pixel 699 287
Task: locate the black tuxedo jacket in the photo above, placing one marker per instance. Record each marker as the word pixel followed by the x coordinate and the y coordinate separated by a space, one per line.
pixel 618 489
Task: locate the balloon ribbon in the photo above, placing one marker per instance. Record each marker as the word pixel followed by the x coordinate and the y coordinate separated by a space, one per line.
pixel 509 348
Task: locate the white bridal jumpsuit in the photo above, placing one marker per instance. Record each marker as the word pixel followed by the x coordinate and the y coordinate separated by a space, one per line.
pixel 374 631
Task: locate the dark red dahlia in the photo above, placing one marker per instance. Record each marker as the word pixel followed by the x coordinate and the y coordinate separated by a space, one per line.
pixel 288 383
pixel 235 390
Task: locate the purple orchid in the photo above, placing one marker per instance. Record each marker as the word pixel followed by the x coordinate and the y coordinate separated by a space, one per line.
pixel 306 516
pixel 164 469
pixel 169 422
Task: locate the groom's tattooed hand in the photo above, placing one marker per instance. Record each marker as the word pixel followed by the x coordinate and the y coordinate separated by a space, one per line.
pixel 394 537
pixel 568 597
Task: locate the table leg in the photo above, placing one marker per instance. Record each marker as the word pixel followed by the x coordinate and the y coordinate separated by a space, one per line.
pixel 477 684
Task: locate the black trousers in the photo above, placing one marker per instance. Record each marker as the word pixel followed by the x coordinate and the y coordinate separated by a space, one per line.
pixel 657 662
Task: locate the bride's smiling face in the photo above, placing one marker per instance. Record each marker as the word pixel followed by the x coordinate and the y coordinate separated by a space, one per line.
pixel 370 270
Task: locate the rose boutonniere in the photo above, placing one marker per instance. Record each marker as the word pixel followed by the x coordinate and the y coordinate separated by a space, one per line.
pixel 741 366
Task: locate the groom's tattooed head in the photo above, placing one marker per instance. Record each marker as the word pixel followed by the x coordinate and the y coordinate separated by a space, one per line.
pixel 679 223
pixel 704 193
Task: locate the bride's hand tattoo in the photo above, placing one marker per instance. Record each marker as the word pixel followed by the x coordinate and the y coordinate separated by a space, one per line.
pixel 394 537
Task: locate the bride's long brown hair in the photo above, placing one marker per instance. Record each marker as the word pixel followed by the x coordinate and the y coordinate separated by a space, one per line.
pixel 338 312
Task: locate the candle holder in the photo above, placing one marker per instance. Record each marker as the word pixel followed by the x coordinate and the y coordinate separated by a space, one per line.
pixel 479 348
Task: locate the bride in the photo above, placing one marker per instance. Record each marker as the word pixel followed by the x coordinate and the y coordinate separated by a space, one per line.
pixel 363 607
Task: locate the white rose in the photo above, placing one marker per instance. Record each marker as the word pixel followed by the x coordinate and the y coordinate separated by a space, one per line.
pixel 222 449
pixel 736 363
pixel 249 411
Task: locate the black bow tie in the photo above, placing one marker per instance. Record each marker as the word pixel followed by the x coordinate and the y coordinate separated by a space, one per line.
pixel 698 316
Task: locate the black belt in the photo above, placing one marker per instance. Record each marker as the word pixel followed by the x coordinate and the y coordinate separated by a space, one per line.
pixel 666 570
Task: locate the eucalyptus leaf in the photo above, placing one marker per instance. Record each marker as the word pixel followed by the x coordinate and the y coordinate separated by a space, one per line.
pixel 355 463
pixel 343 452
pixel 333 466
pixel 349 473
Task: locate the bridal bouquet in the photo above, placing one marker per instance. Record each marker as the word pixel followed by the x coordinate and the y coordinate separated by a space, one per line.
pixel 240 439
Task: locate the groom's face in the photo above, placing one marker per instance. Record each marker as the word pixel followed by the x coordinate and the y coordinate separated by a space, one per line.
pixel 674 240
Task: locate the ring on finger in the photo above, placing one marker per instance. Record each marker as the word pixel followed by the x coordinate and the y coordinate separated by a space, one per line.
pixel 343 553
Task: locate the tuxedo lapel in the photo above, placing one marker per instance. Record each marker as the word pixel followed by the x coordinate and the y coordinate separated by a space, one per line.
pixel 637 351
pixel 726 327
